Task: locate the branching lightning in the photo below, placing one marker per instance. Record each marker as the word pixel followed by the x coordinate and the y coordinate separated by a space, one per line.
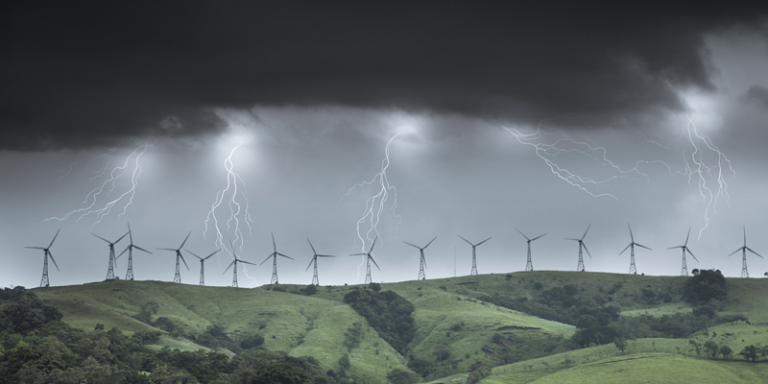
pixel 236 211
pixel 371 214
pixel 700 166
pixel 94 195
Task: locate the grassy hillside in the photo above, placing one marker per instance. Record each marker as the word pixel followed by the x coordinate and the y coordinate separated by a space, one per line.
pixel 455 330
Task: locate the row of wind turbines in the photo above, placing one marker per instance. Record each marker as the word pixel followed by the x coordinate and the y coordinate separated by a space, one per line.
pixel 44 282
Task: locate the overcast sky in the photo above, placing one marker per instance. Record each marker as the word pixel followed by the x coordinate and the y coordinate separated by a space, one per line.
pixel 544 118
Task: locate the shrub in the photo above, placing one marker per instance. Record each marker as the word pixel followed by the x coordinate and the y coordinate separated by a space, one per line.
pixel 704 286
pixel 399 376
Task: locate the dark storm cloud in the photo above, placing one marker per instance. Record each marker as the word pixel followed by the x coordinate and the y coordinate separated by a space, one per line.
pixel 757 94
pixel 90 75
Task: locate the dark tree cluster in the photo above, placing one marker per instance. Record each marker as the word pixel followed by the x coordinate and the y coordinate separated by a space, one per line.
pixel 388 313
pixel 705 285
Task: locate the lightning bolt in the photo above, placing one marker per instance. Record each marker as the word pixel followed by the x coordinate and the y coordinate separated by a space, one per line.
pixel 700 167
pixel 370 213
pixel 231 192
pixel 94 194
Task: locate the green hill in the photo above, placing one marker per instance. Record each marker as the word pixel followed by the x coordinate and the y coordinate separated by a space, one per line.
pixel 458 328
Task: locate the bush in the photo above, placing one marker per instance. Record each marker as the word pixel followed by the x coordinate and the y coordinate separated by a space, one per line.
pixel 399 376
pixel 252 342
pixel 704 286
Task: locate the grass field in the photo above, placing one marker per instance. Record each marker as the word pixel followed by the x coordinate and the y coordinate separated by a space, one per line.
pixel 447 312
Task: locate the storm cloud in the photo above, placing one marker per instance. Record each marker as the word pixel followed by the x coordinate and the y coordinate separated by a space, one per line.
pixel 92 75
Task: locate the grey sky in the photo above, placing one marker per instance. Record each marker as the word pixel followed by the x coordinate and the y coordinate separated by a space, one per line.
pixel 314 106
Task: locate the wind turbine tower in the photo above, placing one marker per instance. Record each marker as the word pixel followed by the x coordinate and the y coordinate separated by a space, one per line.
pixel 422 261
pixel 632 268
pixel 47 251
pixel 744 249
pixel 274 256
pixel 177 276
pixel 234 262
pixel 684 270
pixel 529 263
pixel 474 258
pixel 315 280
pixel 369 258
pixel 202 264
pixel 580 266
pixel 129 248
pixel 112 259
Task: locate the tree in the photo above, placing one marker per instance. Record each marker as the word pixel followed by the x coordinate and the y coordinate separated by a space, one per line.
pixel 726 351
pixel 586 322
pixel 442 352
pixel 712 348
pixel 707 284
pixel 749 353
pixel 399 376
pixel 280 373
pixel 621 344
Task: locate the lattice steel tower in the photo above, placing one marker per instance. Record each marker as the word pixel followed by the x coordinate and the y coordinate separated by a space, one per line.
pixel 474 255
pixel 684 247
pixel 315 280
pixel 632 267
pixel 111 267
pixel 422 260
pixel 529 263
pixel 582 246
pixel 744 249
pixel 274 256
pixel 368 258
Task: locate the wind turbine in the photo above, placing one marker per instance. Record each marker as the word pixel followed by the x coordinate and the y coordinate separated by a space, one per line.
pixel 47 251
pixel 422 261
pixel 274 260
pixel 369 258
pixel 529 263
pixel 177 276
pixel 202 264
pixel 112 259
pixel 234 262
pixel 580 266
pixel 744 249
pixel 474 259
pixel 129 248
pixel 315 281
pixel 632 268
pixel 684 271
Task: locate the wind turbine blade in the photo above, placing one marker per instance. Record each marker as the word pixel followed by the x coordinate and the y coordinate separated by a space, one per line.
pixel 265 260
pixel 326 256
pixel 691 253
pixel 130 235
pixel 585 232
pixel 313 247
pixel 185 240
pixel 121 237
pixel 285 256
pixel 745 235
pixel 233 248
pixel 54 261
pixel 688 235
pixel 468 242
pixel 229 266
pixel 732 253
pixel 748 249
pixel 142 249
pixel 643 246
pixel 526 237
pixel 625 249
pixel 125 250
pixel 167 249
pixel 425 262
pixel 36 248
pixel 274 246
pixel 632 237
pixel 373 245
pixel 586 249
pixel 247 262
pixel 314 259
pixel 358 254
pixel 374 262
pixel 108 242
pixel 567 238
pixel 182 259
pixel 412 245
pixel 538 237
pixel 478 244
pixel 217 251
pixel 193 254
pixel 678 246
pixel 430 242
pixel 54 238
